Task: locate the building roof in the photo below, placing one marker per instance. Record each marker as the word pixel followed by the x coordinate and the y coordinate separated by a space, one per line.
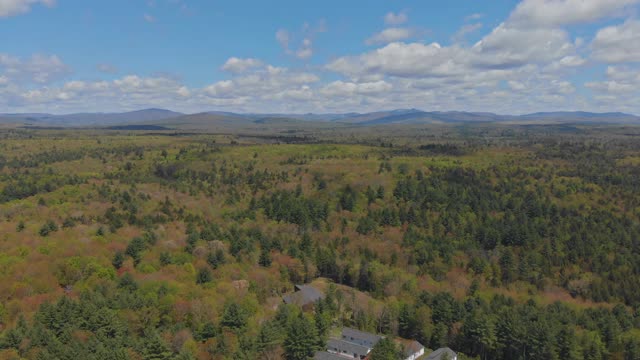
pixel 304 295
pixel 412 347
pixel 437 355
pixel 323 355
pixel 347 347
pixel 361 335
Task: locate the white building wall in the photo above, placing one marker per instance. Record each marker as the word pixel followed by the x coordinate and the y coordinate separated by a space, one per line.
pixel 335 351
pixel 417 355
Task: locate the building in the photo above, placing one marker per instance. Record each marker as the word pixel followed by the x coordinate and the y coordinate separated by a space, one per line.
pixel 442 354
pixel 360 337
pixel 412 350
pixel 324 355
pixel 304 295
pixel 353 344
pixel 347 349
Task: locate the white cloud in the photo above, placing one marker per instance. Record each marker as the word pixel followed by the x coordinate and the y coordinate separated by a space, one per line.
pixel 523 64
pixel 392 18
pixel 621 82
pixel 516 85
pixel 306 50
pixel 303 38
pixel 554 13
pixel 262 83
pixel 107 68
pixel 149 18
pixel 618 44
pixel 129 92
pixel 402 60
pixel 341 88
pixel 389 35
pixel 283 38
pixel 16 7
pixel 466 30
pixel 572 61
pixel 236 65
pixel 503 48
pixel 512 47
pixel 41 69
pixel 183 91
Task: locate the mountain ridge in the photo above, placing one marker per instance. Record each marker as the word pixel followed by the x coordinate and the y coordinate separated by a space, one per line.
pixel 158 116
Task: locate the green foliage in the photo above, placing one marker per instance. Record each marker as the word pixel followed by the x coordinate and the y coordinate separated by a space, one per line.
pixel 265 258
pixel 302 339
pixel 296 209
pixel 216 258
pixel 233 317
pixel 385 349
pixel 204 276
pixel 348 199
pixel 49 227
pixel 118 259
pixel 504 210
pixel 155 348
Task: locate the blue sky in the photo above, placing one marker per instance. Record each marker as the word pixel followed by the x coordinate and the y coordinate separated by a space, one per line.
pixel 64 56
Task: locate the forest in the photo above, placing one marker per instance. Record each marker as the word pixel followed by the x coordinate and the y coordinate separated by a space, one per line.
pixel 499 241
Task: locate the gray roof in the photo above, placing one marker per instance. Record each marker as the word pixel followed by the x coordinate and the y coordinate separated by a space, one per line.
pixel 323 355
pixel 304 295
pixel 357 334
pixel 437 355
pixel 350 348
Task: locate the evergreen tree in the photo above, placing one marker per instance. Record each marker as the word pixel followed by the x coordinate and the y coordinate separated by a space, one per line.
pixel 348 199
pixel 233 317
pixel 269 337
pixel 302 339
pixel 165 258
pixel 127 282
pixel 385 349
pixel 568 348
pixel 204 276
pixel 118 259
pixel 322 322
pixel 265 257
pixel 407 322
pixel 155 348
pixel 215 258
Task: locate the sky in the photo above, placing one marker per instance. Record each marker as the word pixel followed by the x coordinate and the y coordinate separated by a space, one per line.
pixel 292 56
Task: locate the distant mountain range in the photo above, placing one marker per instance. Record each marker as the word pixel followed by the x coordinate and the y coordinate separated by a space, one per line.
pixel 90 119
pixel 218 119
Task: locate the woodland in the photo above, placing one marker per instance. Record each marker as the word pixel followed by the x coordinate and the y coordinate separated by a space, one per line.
pixel 514 242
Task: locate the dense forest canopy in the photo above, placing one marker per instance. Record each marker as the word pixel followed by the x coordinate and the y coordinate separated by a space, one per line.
pixel 500 242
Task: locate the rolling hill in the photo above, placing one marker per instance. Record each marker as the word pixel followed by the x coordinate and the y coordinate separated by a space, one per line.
pixel 221 121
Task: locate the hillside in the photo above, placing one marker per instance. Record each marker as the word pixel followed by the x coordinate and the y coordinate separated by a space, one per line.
pixel 217 121
pixel 500 242
pixel 90 119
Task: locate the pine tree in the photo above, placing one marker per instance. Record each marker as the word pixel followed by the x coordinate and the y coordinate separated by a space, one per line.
pixel 233 317
pixel 568 348
pixel 385 349
pixel 265 257
pixel 302 339
pixel 204 276
pixel 322 322
pixel 407 322
pixel 268 336
pixel 118 260
pixel 155 348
